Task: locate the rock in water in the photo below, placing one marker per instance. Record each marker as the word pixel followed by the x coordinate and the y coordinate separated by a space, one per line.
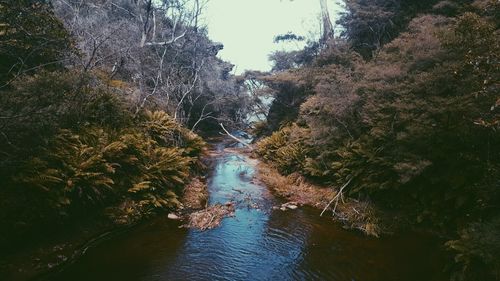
pixel 173 216
pixel 291 207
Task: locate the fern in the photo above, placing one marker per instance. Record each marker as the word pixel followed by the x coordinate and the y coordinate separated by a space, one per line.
pixel 285 148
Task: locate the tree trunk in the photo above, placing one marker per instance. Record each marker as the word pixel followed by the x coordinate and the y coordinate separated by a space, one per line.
pixel 328 32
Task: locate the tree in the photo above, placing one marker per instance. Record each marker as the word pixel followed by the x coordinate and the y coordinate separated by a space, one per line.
pixel 31 38
pixel 328 32
pixel 369 24
pixel 163 55
pixel 412 125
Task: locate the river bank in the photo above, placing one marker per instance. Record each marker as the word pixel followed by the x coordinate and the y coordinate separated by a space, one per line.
pixel 352 214
pixel 68 243
pixel 255 239
pixel 259 242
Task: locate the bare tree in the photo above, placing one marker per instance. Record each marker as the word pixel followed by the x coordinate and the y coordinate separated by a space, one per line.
pixel 328 31
pixel 159 49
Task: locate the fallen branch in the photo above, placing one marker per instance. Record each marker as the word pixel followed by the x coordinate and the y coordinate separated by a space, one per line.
pixel 336 198
pixel 173 40
pixel 233 137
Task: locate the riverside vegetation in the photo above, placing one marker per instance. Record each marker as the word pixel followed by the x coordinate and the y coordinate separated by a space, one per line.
pixel 404 111
pixel 100 102
pixel 97 121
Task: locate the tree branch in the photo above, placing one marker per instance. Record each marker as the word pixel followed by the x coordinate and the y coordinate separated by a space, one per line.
pixel 235 138
pixel 336 198
pixel 171 41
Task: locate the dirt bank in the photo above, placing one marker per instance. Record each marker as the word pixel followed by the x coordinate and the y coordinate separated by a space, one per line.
pixel 350 212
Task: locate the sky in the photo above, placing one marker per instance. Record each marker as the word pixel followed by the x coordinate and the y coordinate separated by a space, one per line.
pixel 247 28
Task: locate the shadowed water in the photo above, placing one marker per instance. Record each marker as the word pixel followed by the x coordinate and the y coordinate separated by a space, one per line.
pixel 258 243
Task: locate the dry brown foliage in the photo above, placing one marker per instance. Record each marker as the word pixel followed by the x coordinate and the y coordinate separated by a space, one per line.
pixel 195 194
pixel 210 217
pixel 350 212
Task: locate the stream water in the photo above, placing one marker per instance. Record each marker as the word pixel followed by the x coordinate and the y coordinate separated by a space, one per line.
pixel 258 243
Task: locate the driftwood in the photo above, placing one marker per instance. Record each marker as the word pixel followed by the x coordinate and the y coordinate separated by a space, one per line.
pixel 235 138
pixel 210 217
pixel 336 198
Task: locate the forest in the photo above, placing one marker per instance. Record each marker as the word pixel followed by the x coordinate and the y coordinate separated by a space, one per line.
pixel 97 119
pixel 106 108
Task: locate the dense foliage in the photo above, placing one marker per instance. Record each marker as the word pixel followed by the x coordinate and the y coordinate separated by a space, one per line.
pixel 71 148
pixel 160 49
pixel 412 121
pixel 94 116
pixel 31 38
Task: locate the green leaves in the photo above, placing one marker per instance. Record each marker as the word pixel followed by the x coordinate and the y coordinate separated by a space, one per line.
pixel 141 186
pixel 282 149
pixel 165 131
pixel 476 250
pixel 95 165
pixel 72 170
pixel 416 127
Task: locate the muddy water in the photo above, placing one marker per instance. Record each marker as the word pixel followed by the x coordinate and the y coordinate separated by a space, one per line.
pixel 258 243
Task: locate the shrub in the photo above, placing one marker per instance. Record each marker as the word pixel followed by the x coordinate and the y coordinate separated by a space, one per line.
pixel 73 149
pixel 416 129
pixel 284 149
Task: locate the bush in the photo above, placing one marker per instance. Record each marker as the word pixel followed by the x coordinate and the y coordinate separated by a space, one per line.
pixel 416 129
pixel 283 149
pixel 73 149
pixel 476 251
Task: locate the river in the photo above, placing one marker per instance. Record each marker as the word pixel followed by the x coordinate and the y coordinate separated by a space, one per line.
pixel 258 243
